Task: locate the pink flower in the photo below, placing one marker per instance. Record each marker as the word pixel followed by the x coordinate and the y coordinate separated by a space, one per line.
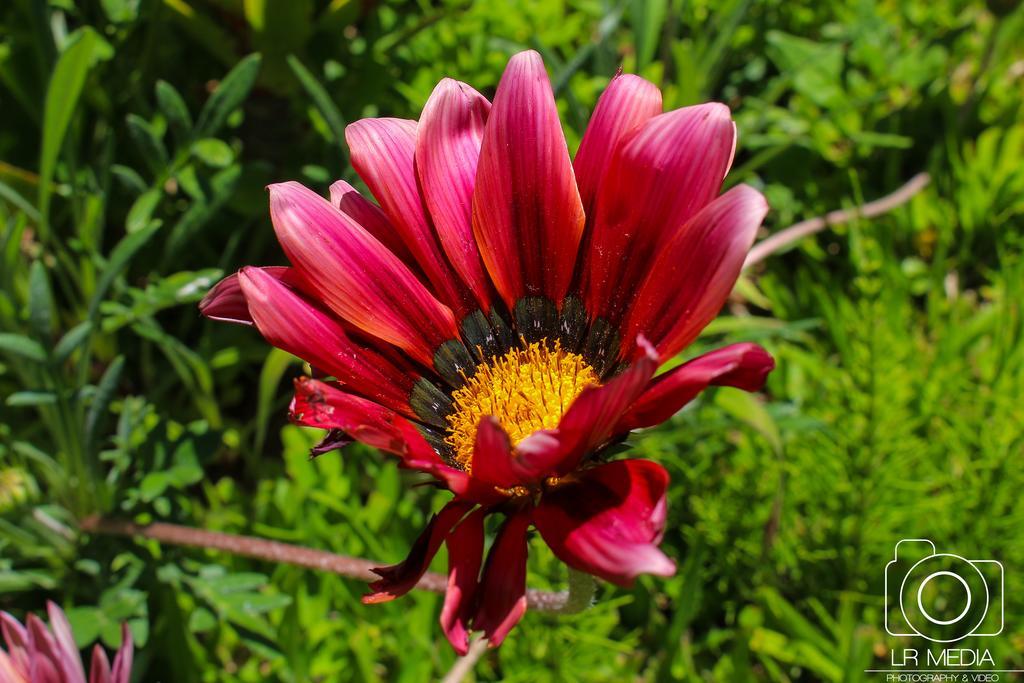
pixel 36 654
pixel 498 320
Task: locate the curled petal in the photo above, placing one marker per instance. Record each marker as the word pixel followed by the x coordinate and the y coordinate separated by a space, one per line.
pixel 502 601
pixel 383 153
pixel 662 175
pixel 527 215
pixel 694 272
pixel 627 102
pixel 317 404
pixel 290 322
pixel 465 555
pixel 451 129
pixel 399 579
pixel 369 215
pixel 226 302
pixel 608 521
pixel 745 366
pixel 356 276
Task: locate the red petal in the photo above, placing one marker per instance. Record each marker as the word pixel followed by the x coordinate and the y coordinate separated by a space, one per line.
pixel 527 215
pixel 123 659
pixel 493 461
pixel 383 155
pixel 317 404
pixel 586 425
pixel 226 303
pixel 291 323
pixel 99 670
pixel 609 520
pixel 658 178
pixel 397 580
pixel 356 276
pixel 367 214
pixel 626 103
pixel 451 129
pixel 465 554
pixel 694 272
pixel 745 366
pixel 502 601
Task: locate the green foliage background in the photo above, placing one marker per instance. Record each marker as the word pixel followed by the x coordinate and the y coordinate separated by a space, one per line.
pixel 136 137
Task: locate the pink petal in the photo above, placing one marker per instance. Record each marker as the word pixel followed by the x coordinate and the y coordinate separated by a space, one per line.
pixel 451 129
pixel 586 425
pixel 465 555
pixel 45 660
pixel 356 276
pixel 608 521
pixel 399 579
pixel 10 672
pixel 99 670
pixel 745 366
pixel 290 322
pixel 69 658
pixel 627 102
pixel 367 214
pixel 16 638
pixel 124 658
pixel 383 153
pixel 693 273
pixel 527 215
pixel 503 587
pixel 226 303
pixel 658 177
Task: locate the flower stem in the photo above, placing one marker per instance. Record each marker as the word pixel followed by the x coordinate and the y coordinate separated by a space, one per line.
pixel 581 592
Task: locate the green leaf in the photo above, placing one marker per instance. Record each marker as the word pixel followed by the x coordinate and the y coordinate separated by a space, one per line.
pixel 105 391
pixel 213 152
pixel 71 340
pixel 31 398
pixel 22 346
pixel 62 96
pixel 648 17
pixel 231 92
pixel 14 197
pixel 40 301
pixel 324 104
pixel 119 258
pixel 142 210
pixel 173 107
pixel 149 142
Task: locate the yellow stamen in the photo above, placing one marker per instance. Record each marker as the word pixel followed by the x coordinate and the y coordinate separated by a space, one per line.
pixel 526 389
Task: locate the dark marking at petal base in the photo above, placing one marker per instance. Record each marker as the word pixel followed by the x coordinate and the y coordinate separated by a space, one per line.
pixel 601 347
pixel 334 439
pixel 436 440
pixel 502 330
pixel 572 324
pixel 536 318
pixel 480 338
pixel 453 362
pixel 429 403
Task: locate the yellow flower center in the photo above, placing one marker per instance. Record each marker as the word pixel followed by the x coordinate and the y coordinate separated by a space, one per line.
pixel 526 389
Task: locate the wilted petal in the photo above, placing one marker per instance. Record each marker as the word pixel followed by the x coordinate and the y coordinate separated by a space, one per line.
pixel 290 322
pixel 451 129
pixel 658 178
pixel 745 366
pixel 369 215
pixel 383 152
pixel 626 103
pixel 608 520
pixel 399 579
pixel 691 278
pixel 465 555
pixel 502 599
pixel 356 276
pixel 527 215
